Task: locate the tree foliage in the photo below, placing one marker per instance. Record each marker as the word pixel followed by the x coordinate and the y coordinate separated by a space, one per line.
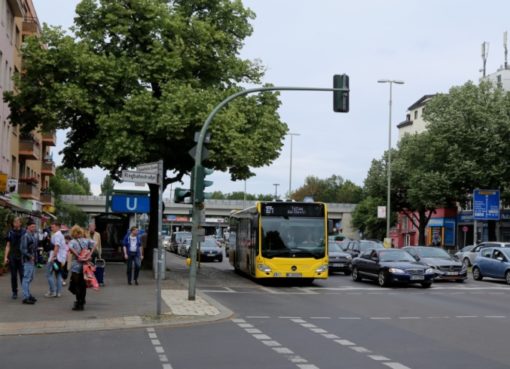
pixel 240 195
pixel 333 189
pixel 107 185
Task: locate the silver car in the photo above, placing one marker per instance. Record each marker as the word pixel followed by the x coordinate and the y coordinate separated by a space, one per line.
pixel 468 258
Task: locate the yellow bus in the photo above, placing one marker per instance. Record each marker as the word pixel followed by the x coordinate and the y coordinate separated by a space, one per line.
pixel 280 240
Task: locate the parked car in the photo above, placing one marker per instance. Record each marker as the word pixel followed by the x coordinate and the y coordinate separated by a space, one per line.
pixel 166 242
pixel 341 241
pixel 388 266
pixel 177 239
pixel 460 254
pixel 469 257
pixel 445 266
pixel 184 246
pixel 356 247
pixel 339 260
pixel 492 262
pixel 209 250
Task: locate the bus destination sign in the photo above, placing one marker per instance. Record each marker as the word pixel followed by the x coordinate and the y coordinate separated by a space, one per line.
pixel 292 210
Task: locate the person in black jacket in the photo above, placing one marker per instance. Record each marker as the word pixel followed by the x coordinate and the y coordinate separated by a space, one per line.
pixel 29 243
pixel 13 255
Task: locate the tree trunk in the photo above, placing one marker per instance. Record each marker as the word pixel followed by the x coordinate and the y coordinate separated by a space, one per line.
pixel 423 220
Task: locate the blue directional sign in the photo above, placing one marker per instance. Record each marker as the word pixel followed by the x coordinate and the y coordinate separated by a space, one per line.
pixel 486 204
pixel 130 204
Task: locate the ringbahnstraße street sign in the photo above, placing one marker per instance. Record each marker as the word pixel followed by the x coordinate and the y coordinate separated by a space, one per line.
pixel 139 177
pixel 486 204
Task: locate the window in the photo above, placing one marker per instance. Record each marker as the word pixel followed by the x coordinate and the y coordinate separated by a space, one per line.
pixel 486 253
pixel 416 114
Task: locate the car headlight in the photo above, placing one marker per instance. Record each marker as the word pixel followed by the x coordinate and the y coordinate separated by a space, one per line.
pixel 429 271
pixel 396 271
pixel 264 268
pixel 349 257
pixel 322 268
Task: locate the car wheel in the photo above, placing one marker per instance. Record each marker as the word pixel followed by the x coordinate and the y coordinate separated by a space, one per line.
pixel 382 279
pixel 466 263
pixel 507 277
pixel 477 275
pixel 426 284
pixel 355 275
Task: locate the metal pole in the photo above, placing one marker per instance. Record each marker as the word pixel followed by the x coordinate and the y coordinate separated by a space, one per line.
pixel 276 190
pixel 290 170
pixel 160 244
pixel 388 195
pixel 197 208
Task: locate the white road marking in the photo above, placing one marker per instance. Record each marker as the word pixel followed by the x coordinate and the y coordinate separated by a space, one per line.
pixel 409 317
pixel 330 336
pixel 156 342
pixel 269 290
pixel 159 349
pixel 283 350
pixel 380 318
pixel 345 342
pixel 320 317
pixel 167 366
pixel 163 358
pixel 253 330
pixel 378 357
pixel 466 316
pixel 153 335
pixel 308 325
pixel 318 330
pixel 495 316
pixel 349 317
pixel 257 317
pixel 261 336
pixel 360 349
pixel 396 366
pixel 245 325
pixel 271 343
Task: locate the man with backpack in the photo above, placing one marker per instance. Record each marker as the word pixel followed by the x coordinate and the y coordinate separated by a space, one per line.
pixel 13 255
pixel 29 243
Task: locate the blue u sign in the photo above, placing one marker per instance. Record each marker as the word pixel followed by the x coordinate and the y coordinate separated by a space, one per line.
pixel 130 204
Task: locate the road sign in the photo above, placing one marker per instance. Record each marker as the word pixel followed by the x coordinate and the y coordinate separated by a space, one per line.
pixel 381 212
pixel 139 177
pixel 130 204
pixel 148 167
pixel 486 204
pixel 465 229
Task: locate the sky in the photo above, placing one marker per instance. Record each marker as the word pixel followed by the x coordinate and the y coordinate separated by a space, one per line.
pixel 430 45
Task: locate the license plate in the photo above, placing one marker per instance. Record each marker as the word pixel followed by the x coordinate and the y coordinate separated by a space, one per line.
pixel 452 273
pixel 294 275
pixel 338 264
pixel 211 254
pixel 417 278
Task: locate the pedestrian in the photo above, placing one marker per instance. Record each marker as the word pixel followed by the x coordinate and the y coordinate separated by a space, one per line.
pixel 56 261
pixel 29 255
pixel 133 253
pixel 81 248
pixel 13 255
pixel 96 237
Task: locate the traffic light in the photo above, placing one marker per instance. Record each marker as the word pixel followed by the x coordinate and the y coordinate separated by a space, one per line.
pixel 180 194
pixel 341 98
pixel 201 183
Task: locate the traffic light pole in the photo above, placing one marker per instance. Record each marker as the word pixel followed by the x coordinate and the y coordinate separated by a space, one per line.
pixel 198 207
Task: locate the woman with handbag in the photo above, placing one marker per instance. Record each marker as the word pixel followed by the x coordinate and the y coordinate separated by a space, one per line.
pixel 81 248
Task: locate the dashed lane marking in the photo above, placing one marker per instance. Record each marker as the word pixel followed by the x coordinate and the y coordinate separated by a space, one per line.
pixel 163 359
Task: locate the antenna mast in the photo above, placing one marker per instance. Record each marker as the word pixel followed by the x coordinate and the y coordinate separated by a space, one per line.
pixel 485 53
pixel 505 37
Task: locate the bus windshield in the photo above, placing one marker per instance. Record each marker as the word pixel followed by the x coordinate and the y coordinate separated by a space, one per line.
pixel 297 237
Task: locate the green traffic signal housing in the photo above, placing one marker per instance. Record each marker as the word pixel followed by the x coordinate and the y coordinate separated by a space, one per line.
pixel 201 183
pixel 180 194
pixel 341 98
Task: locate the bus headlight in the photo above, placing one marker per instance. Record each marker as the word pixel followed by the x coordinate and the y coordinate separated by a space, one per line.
pixel 322 268
pixel 264 268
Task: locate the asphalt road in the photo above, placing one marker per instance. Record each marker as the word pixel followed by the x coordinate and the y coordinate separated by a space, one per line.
pixel 337 323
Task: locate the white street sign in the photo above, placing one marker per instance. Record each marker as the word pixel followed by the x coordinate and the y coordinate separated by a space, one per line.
pixel 139 177
pixel 148 167
pixel 381 212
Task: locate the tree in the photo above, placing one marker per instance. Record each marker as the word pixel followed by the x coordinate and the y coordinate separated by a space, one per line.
pixel 332 189
pixel 472 127
pixel 107 185
pixel 138 80
pixel 365 218
pixel 69 182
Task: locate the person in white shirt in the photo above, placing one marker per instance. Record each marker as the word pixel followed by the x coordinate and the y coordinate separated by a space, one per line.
pixel 56 260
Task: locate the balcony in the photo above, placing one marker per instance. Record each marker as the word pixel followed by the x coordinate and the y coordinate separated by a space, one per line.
pixel 47 198
pixel 48 168
pixel 49 138
pixel 31 26
pixel 29 148
pixel 28 190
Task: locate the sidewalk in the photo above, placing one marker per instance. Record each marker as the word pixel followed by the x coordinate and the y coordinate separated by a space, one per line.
pixel 117 305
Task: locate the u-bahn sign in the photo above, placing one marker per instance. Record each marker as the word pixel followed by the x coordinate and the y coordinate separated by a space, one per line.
pixel 130 204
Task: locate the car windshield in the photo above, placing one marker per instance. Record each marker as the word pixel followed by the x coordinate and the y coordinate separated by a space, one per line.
pixel 334 247
pixel 365 245
pixel 209 243
pixel 293 237
pixel 432 252
pixel 506 251
pixel 395 255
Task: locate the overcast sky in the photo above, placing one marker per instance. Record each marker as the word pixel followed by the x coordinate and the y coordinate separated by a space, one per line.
pixel 431 45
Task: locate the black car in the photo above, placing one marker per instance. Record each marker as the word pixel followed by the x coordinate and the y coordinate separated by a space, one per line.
pixel 209 250
pixel 387 266
pixel 445 266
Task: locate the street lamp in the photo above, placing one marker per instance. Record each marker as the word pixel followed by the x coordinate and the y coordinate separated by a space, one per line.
pixel 276 190
pixel 388 202
pixel 290 170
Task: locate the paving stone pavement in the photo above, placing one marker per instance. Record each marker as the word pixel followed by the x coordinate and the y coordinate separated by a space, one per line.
pixel 115 306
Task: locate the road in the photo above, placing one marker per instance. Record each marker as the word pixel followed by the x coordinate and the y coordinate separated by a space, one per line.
pixel 337 323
